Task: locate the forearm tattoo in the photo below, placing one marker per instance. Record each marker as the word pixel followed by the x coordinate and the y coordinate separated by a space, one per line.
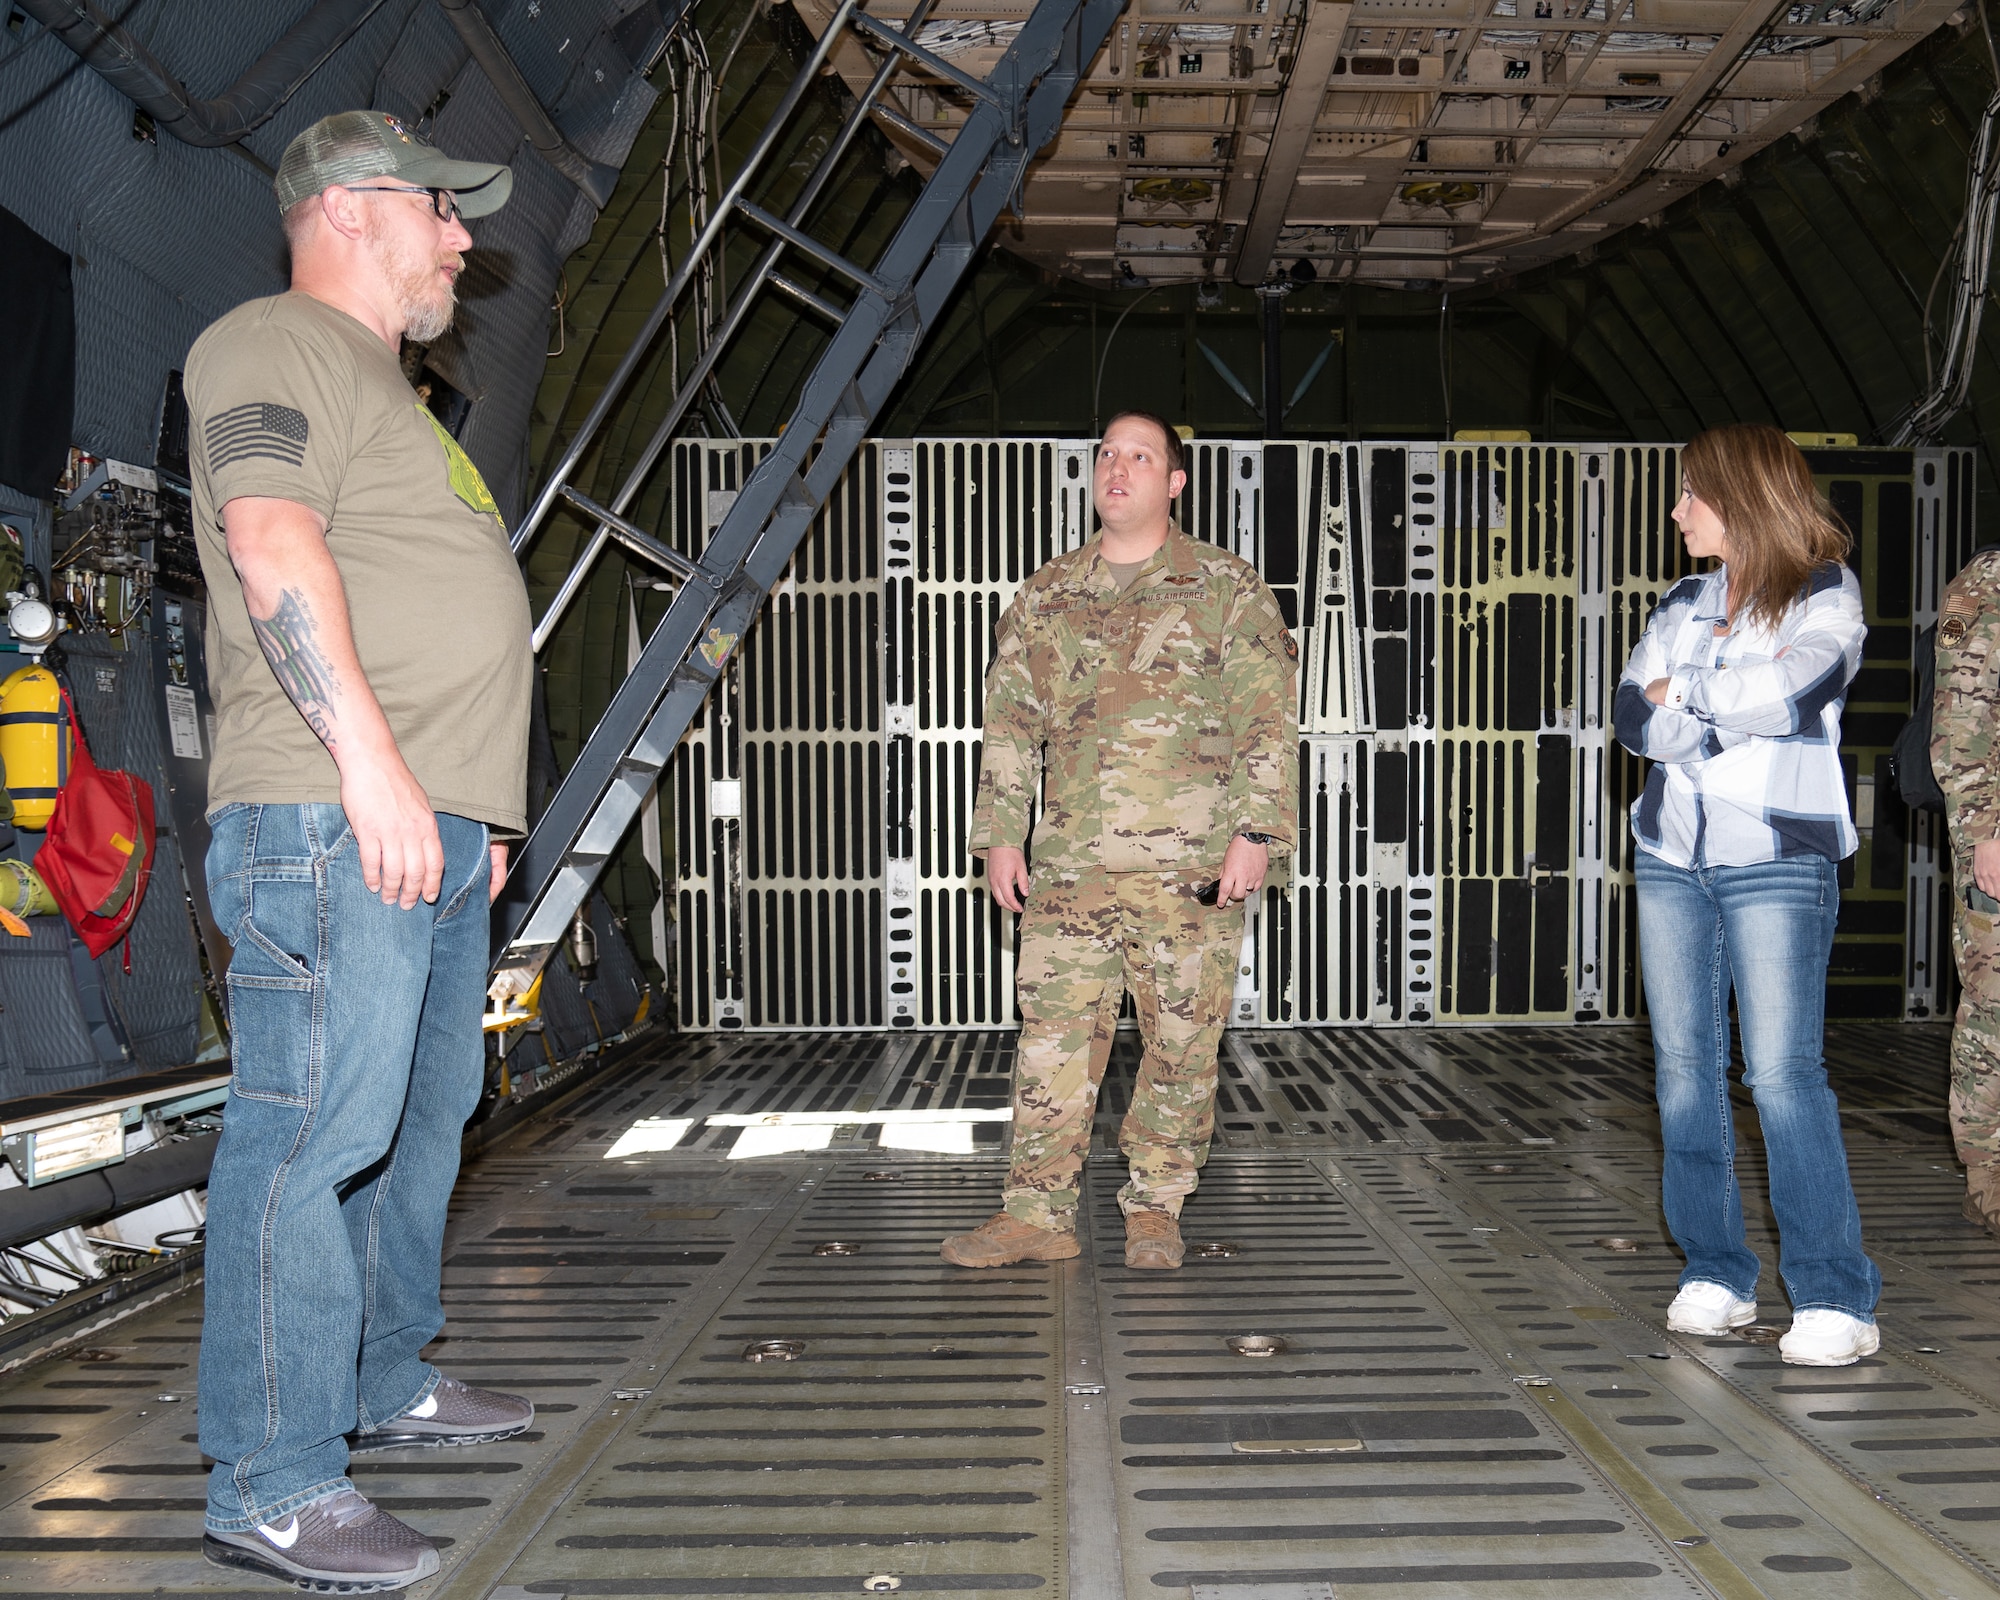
pixel 290 641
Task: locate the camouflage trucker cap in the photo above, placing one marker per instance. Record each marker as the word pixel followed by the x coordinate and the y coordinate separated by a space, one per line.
pixel 351 146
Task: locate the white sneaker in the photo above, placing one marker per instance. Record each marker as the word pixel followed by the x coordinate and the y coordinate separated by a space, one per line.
pixel 1709 1308
pixel 1820 1338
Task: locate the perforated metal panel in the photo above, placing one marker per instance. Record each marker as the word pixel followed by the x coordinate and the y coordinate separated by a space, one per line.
pixel 1942 542
pixel 707 770
pixel 1633 555
pixel 1346 904
pixel 1338 957
pixel 1462 612
pixel 985 515
pixel 811 753
pixel 1506 693
pixel 1874 493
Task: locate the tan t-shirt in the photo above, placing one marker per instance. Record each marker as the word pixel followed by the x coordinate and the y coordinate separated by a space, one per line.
pixel 1125 571
pixel 292 399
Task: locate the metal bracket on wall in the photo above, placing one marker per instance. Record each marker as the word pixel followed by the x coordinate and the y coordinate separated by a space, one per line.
pixel 895 304
pixel 1424 953
pixel 1942 543
pixel 900 724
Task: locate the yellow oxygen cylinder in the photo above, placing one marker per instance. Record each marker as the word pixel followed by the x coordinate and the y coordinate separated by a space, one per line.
pixel 34 743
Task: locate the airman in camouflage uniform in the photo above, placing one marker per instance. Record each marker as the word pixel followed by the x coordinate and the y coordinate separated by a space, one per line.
pixel 1965 756
pixel 1155 724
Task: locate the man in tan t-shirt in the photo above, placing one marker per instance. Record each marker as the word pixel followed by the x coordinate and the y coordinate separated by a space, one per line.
pixel 368 645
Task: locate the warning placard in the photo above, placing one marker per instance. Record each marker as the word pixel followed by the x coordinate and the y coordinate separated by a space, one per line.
pixel 183 722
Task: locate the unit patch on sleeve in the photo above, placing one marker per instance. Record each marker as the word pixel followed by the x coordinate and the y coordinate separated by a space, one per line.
pixel 242 433
pixel 1957 615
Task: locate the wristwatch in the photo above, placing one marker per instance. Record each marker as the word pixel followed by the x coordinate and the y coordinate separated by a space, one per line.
pixel 1259 838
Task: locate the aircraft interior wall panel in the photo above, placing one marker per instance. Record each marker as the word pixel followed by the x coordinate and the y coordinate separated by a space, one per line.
pixel 1595 674
pixel 703 786
pixel 1257 518
pixel 157 1003
pixel 1207 507
pixel 1333 690
pixel 1942 541
pixel 1329 970
pixel 811 755
pixel 1506 540
pixel 1333 969
pixel 1399 949
pixel 1873 493
pixel 1462 612
pixel 1645 559
pixel 986 513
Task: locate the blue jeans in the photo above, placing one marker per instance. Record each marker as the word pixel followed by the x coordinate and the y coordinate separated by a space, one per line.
pixel 1768 931
pixel 358 1057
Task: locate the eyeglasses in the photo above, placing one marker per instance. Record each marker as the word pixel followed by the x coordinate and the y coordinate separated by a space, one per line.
pixel 444 204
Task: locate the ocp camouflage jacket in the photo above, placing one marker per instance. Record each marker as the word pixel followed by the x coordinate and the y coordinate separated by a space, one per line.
pixel 1165 718
pixel 1965 712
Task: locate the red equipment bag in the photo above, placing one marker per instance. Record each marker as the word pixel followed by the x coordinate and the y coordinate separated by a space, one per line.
pixel 97 855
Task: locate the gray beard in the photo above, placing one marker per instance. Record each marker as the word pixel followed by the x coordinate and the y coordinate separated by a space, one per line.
pixel 426 320
pixel 427 311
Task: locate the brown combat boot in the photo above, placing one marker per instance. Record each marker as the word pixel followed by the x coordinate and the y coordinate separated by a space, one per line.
pixel 1152 1240
pixel 1982 1196
pixel 1002 1239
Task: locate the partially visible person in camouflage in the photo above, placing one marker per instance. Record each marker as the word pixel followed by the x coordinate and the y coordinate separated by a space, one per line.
pixel 1965 756
pixel 1144 691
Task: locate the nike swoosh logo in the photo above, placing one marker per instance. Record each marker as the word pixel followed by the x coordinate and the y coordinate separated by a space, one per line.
pixel 285 1538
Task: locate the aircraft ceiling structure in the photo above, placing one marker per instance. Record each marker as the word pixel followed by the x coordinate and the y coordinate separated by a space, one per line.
pixel 1422 144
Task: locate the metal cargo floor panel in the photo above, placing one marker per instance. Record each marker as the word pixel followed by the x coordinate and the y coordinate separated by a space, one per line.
pixel 1456 1237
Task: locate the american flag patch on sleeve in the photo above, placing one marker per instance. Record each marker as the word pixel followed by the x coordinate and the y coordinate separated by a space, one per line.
pixel 243 433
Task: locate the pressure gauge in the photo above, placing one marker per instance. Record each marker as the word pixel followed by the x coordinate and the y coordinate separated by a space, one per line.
pixel 31 621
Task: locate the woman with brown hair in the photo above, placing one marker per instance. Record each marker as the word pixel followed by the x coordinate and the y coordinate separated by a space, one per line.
pixel 1734 693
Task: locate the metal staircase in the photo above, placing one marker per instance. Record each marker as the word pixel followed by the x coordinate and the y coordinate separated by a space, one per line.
pixel 1016 110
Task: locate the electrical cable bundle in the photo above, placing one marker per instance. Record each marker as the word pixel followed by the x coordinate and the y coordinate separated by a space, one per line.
pixel 1968 258
pixel 696 89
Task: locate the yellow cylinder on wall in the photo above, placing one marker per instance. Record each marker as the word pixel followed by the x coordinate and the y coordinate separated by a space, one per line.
pixel 34 743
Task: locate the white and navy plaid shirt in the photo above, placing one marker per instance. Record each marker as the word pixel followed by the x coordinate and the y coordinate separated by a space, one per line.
pixel 1746 749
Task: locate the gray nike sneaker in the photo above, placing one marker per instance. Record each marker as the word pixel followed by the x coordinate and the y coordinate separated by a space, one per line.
pixel 337 1544
pixel 452 1413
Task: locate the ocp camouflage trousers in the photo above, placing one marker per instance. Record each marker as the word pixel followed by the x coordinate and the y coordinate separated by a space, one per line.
pixel 1975 1036
pixel 1086 939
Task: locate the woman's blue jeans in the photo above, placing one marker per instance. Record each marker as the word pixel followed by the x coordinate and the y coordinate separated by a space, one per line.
pixel 355 1032
pixel 1766 930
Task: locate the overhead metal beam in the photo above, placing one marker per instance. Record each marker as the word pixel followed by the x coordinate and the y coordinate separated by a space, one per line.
pixel 1523 144
pixel 1728 54
pixel 1321 29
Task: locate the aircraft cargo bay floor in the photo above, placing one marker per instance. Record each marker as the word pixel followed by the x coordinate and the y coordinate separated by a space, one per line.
pixel 1455 1235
